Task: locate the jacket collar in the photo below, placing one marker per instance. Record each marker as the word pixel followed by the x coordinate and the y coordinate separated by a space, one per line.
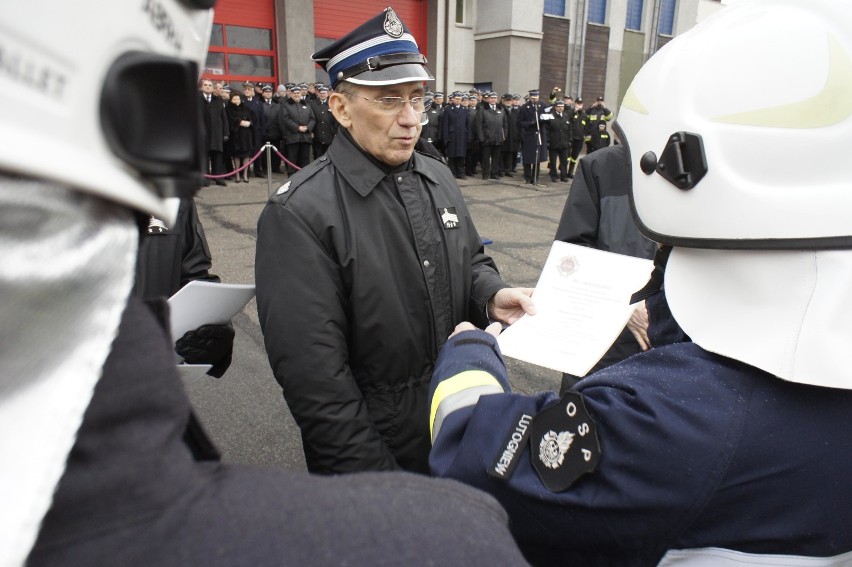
pixel 360 171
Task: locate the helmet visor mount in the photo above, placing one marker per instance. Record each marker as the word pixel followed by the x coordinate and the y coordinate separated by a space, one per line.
pixel 160 140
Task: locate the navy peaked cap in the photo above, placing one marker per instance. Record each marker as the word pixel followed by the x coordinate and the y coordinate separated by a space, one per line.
pixel 381 51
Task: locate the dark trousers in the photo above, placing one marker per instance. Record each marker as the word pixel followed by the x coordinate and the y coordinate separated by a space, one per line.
pixel 560 154
pixel 320 149
pixel 532 172
pixel 259 165
pixel 457 166
pixel 490 160
pixel 576 146
pixel 298 154
pixel 217 162
pixel 470 160
pixel 508 160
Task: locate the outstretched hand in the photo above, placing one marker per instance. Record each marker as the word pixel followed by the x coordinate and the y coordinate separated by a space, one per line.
pixel 638 325
pixel 510 303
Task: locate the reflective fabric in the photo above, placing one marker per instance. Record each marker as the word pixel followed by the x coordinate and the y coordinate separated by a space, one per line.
pixel 67 270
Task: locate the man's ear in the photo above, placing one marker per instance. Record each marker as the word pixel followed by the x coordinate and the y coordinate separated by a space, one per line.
pixel 341 108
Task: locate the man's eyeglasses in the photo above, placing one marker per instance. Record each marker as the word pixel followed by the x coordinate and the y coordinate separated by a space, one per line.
pixel 393 104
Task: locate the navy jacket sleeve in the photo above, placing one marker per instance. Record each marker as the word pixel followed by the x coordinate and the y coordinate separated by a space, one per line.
pixel 658 463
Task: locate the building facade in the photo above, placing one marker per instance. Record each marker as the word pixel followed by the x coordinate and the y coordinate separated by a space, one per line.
pixel 587 48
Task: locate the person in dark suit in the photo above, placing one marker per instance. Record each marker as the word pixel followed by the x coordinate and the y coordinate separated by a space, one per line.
pixel 326 126
pixel 214 131
pixel 533 137
pixel 254 104
pixel 491 129
pixel 454 132
pixel 271 132
pixel 509 149
pixel 296 121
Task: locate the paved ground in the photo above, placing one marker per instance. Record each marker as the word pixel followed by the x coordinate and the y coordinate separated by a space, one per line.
pixel 244 411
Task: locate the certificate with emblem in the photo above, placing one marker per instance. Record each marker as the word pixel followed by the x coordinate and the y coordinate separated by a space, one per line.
pixel 582 302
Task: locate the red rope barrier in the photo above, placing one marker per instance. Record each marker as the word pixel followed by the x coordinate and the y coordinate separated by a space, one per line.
pixel 251 161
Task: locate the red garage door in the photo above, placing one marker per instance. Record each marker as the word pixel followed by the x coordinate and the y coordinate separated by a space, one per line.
pixel 242 47
pixel 335 18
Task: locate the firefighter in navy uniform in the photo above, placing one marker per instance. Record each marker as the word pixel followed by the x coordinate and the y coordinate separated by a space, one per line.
pixel 92 411
pixel 578 134
pixel 726 449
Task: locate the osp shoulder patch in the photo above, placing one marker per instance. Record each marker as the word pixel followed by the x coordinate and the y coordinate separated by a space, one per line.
pixel 564 443
pixel 449 217
pixel 511 450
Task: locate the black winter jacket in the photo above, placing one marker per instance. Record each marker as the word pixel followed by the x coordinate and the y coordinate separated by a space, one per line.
pixel 361 275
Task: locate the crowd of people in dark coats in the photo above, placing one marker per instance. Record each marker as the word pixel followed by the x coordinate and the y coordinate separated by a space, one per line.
pixel 478 133
pixel 295 119
pixel 475 131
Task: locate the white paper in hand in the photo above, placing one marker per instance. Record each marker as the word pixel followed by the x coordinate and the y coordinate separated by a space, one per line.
pixel 206 303
pixel 582 302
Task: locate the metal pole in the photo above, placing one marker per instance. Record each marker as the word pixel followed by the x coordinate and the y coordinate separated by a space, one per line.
pixel 268 169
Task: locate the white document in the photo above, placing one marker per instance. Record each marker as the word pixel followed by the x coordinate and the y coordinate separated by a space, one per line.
pixel 582 302
pixel 206 303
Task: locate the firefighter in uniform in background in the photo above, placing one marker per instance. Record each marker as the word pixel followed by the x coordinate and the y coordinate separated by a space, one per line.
pixel 729 448
pixel 578 133
pixel 595 114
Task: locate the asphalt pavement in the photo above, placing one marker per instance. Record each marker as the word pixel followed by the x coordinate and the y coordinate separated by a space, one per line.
pixel 244 411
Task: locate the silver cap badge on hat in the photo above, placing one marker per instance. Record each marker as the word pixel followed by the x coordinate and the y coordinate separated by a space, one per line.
pixel 392 25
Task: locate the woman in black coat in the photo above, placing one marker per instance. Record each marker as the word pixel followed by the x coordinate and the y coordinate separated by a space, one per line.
pixel 242 133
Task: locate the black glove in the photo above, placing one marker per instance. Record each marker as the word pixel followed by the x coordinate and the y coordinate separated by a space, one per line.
pixel 208 344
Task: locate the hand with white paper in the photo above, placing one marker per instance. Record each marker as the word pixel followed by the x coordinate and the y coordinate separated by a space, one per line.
pixel 510 304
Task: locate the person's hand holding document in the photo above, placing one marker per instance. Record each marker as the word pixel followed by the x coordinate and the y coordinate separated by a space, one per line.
pixel 583 302
pixel 200 311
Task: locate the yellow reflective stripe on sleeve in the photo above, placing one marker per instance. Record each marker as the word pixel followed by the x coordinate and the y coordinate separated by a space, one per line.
pixel 459 383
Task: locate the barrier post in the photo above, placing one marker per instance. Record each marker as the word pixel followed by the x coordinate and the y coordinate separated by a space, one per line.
pixel 268 169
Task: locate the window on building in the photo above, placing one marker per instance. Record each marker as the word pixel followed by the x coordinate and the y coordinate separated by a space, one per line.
pixel 667 14
pixel 460 11
pixel 634 15
pixel 597 11
pixel 240 53
pixel 554 7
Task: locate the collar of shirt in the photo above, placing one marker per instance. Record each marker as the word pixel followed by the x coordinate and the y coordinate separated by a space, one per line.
pixel 358 170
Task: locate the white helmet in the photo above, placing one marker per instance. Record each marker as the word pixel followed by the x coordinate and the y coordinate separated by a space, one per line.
pixel 740 130
pixel 105 96
pixel 739 134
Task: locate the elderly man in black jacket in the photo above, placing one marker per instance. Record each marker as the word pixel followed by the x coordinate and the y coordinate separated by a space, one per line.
pixel 366 260
pixel 296 121
pixel 491 129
